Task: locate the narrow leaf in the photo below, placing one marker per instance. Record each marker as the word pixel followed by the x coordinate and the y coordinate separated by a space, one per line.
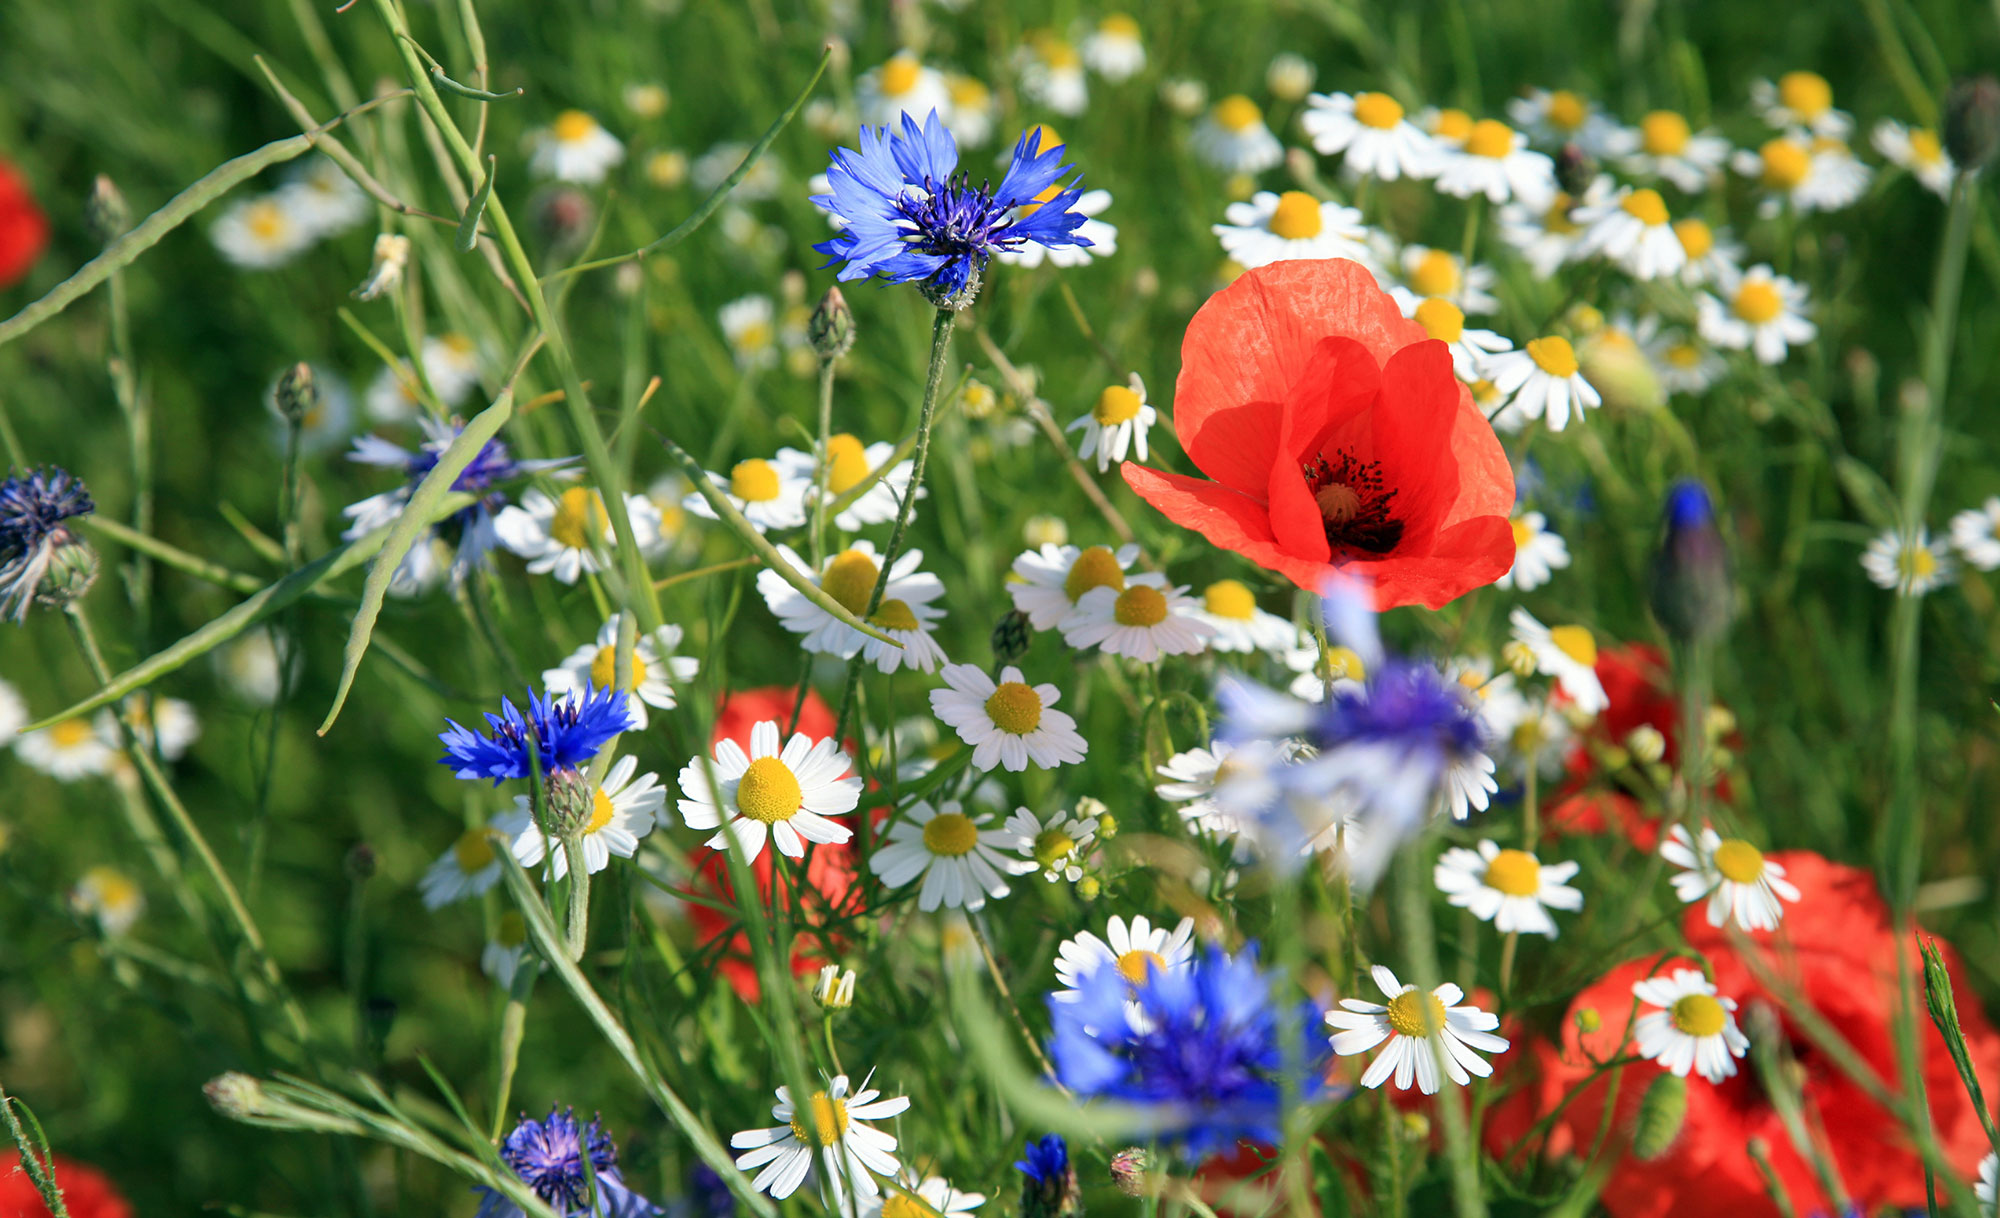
pixel 468 228
pixel 451 86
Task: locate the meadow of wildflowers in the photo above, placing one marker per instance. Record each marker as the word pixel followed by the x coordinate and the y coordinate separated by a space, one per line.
pixel 947 607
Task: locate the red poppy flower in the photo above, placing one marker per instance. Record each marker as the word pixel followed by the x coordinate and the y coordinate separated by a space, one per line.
pixel 1337 437
pixel 1838 947
pixel 24 230
pixel 87 1192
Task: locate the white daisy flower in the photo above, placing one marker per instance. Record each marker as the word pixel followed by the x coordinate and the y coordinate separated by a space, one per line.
pixel 1052 74
pixel 1663 145
pixel 1495 161
pixel 451 365
pixel 1975 531
pixel 1838 177
pixel 1371 134
pixel 1053 578
pixel 1917 150
pixel 1800 99
pixel 504 953
pixel 1689 1026
pixel 110 896
pixel 930 1197
pixel 972 112
pixel 1137 951
pixel 1633 230
pixel 66 751
pixel 1113 50
pixel 961 863
pixel 1683 363
pixel 1232 137
pixel 1448 127
pixel 256 665
pixel 1338 667
pixel 1740 883
pixel 832 1133
pixel 1117 424
pixel 749 327
pixel 1567 653
pixel 849 577
pixel 1711 254
pixel 770 494
pixel 1542 381
pixel 174 720
pixel 1231 609
pixel 1912 567
pixel 713 167
pixel 849 463
pixel 645 99
pixel 1537 553
pixel 1009 723
pixel 1988 1187
pixel 1274 227
pixel 575 148
pixel 1509 888
pixel 655 668
pixel 1102 235
pixel 1470 349
pixel 323 199
pixel 260 232
pixel 1546 236
pixel 1057 848
pixel 902 85
pixel 470 868
pixel 623 810
pixel 1558 116
pixel 1405 1023
pixel 13 713
pixel 1145 620
pixel 556 535
pixel 1220 786
pixel 1761 310
pixel 787 795
pixel 1820 175
pixel 1427 273
pixel 1184 95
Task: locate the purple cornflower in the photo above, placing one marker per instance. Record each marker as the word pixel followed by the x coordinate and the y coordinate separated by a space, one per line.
pixel 33 507
pixel 565 731
pixel 548 1156
pixel 1051 1187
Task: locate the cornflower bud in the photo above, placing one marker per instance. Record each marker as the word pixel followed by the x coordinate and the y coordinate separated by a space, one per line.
pixel 107 213
pixel 1972 122
pixel 831 330
pixel 1129 1169
pixel 1691 593
pixel 298 394
pixel 1011 637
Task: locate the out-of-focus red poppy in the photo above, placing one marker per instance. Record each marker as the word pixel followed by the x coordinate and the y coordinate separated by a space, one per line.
pixel 87 1192
pixel 24 229
pixel 1838 947
pixel 1336 437
pixel 1598 811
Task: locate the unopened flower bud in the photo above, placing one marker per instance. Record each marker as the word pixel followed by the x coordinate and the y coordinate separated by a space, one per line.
pixel 1045 531
pixel 834 991
pixel 72 569
pixel 1415 1127
pixel 1588 1020
pixel 667 169
pixel 564 216
pixel 107 213
pixel 1519 658
pixel 1646 743
pixel 1129 1168
pixel 1691 593
pixel 1575 170
pixel 1661 1114
pixel 1972 122
pixel 948 299
pixel 978 400
pixel 236 1096
pixel 1090 806
pixel 1720 721
pixel 298 394
pixel 1089 888
pixel 385 271
pixel 360 861
pixel 572 800
pixel 1011 637
pixel 831 330
pixel 1290 76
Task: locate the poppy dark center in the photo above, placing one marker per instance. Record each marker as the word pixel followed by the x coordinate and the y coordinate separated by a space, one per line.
pixel 1353 505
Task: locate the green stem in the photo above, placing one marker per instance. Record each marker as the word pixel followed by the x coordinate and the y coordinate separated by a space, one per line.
pixel 1413 892
pixel 1470 241
pixel 577 933
pixel 513 1030
pixel 825 460
pixel 1013 1007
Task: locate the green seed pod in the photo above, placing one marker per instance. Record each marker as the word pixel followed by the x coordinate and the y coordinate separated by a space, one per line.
pixel 1661 1114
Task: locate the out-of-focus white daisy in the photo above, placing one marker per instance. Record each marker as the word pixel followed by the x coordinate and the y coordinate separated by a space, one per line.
pixel 1039 531
pixel 972 112
pixel 1633 230
pixel 1470 349
pixel 1555 117
pixel 1567 653
pixel 770 494
pixel 1009 722
pixel 1425 272
pixel 1289 76
pixel 929 1197
pixel 1975 531
pixel 1817 175
pixel 1987 1189
pixel 1838 177
pixel 575 148
pixel 1711 254
pixel 13 713
pixel 1117 424
pixel 1223 786
pixel 787 794
pixel 1057 847
pixel 1542 381
pixel 748 327
pixel 1538 552
pixel 1800 99
pixel 655 668
pixel 1370 132
pixel 451 365
pixel 962 864
pixel 1114 49
pixel 1663 145
pixel 623 810
pixel 831 1132
pixel 1496 161
pixel 254 664
pixel 1137 951
pixel 1509 888
pixel 1918 150
pixel 645 99
pixel 849 577
pixel 902 85
pixel 1546 236
pixel 849 464
pixel 1053 578
pixel 1449 127
pixel 1102 235
pixel 110 896
pixel 1406 1023
pixel 1740 883
pixel 1683 363
pixel 1338 667
pixel 66 751
pixel 668 492
pixel 328 422
pixel 1232 137
pixel 1145 620
pixel 1184 95
pixel 506 951
pixel 469 868
pixel 1052 73
pixel 713 167
pixel 1911 567
pixel 172 720
pixel 1271 227
pixel 261 232
pixel 1689 1027
pixel 323 199
pixel 1231 609
pixel 1760 310
pixel 565 535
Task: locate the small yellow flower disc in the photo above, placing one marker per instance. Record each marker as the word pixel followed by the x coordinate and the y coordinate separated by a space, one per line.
pixel 1453 125
pixel 1441 319
pixel 473 851
pixel 1515 873
pixel 1683 355
pixel 900 74
pixel 1117 404
pixel 1377 110
pixel 1342 663
pixel 1140 605
pixel 1057 53
pixel 1556 218
pixel 1758 302
pixel 1566 110
pixel 1523 532
pixel 600 812
pixel 850 580
pixel 754 481
pixel 1406 1013
pixel 1435 274
pixel 574 126
pixel 1805 94
pixel 906 1205
pixel 769 791
pixel 1297 217
pixel 895 615
pixel 1739 861
pixel 1553 355
pixel 829 1121
pixel 1663 133
pixel 969 94
pixel 1096 567
pixel 1576 642
pixel 267 220
pixel 1119 25
pixel 1924 146
pixel 604 668
pixel 1697 238
pixel 1137 963
pixel 1786 163
pixel 1237 113
pixel 1647 207
pixel 847 463
pixel 950 834
pixel 1698 1015
pixel 70 733
pixel 1015 708
pixel 1052 846
pixel 1231 599
pixel 1917 562
pixel 1490 138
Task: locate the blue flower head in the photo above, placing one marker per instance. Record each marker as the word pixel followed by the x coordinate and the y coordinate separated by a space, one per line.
pixel 1051 1187
pixel 33 507
pixel 1691 590
pixel 911 215
pixel 565 731
pixel 1206 1054
pixel 548 1156
pixel 1407 706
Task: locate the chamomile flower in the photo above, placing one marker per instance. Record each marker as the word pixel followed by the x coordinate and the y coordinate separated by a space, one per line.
pixel 901 85
pixel 505 952
pixel 1911 566
pixel 1918 150
pixel 1567 653
pixel 1800 99
pixel 1555 117
pixel 1741 884
pixel 1711 253
pixel 324 200
pixel 1760 310
pixel 1546 236
pixel 849 577
pixel 1272 227
pixel 1052 73
pixel 1423 273
pixel 110 896
pixel 623 809
pixel 1058 847
pixel 1537 553
pixel 1101 235
pixel 850 462
pixel 470 868
pixel 1114 50
pixel 1051 580
pixel 1688 1026
pixel 962 863
pixel 66 751
pixel 1008 723
pixel 13 713
pixel 831 1133
pixel 575 148
pixel 566 535
pixel 261 232
pixel 1448 126
pixel 1633 230
pixel 770 494
pixel 973 111
pixel 1230 609
pixel 1817 175
pixel 1337 669
pixel 1838 177
pixel 1145 620
pixel 1987 1189
pixel 451 365
pixel 1495 161
pixel 748 326
pixel 655 668
pixel 1371 135
pixel 1543 381
pixel 1509 888
pixel 1975 531
pixel 1137 950
pixel 168 726
pixel 1117 424
pixel 1462 1032
pixel 1682 361
pixel 926 1197
pixel 1663 145
pixel 1232 137
pixel 1470 349
pixel 787 794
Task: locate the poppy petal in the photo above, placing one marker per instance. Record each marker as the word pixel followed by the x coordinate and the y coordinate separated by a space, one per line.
pixel 1227 519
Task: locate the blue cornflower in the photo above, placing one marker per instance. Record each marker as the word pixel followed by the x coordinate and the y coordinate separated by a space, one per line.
pixel 708 1195
pixel 548 1155
pixel 564 730
pixel 1202 1047
pixel 910 215
pixel 1051 1187
pixel 1691 591
pixel 33 507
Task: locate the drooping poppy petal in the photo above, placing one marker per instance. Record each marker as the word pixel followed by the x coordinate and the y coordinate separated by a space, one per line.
pixel 24 228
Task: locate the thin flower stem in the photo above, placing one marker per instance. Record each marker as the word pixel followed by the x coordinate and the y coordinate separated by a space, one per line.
pixel 1014 1008
pixel 825 463
pixel 1461 1155
pixel 513 1030
pixel 577 932
pixel 1470 241
pixel 139 436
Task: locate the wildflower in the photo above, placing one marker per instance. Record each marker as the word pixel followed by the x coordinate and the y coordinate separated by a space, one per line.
pixel 837 1137
pixel 1233 138
pixel 1559 116
pixel 506 951
pixel 1633 230
pixel 1691 593
pixel 470 868
pixel 972 110
pixel 834 991
pixel 1444 321
pixel 1041 531
pixel 1008 723
pixel 260 233
pixel 1052 73
pixel 13 713
pixel 1976 533
pixel 1135 951
pixel 1203 1049
pixel 1371 135
pixel 575 148
pixel 1972 121
pixel 1420 1028
pixel 1917 150
pixel 255 666
pixel 747 326
pixel 451 365
pixel 36 546
pixel 323 200
pixel 1761 311
pixel 86 1191
pixel 557 732
pixel 1428 273
pixel 1117 424
pixel 1289 76
pixel 1684 363
pixel 1449 126
pixel 108 895
pixel 1495 161
pixel 1820 175
pixel 921 1197
pixel 1274 227
pixel 1663 145
pixel 1537 553
pixel 1114 50
pixel 548 1155
pixel 1510 888
pixel 1222 786
pixel 1712 254
pixel 1542 380
pixel 961 863
pixel 623 809
pixel 1362 483
pixel 1987 1189
pixel 770 494
pixel 1054 578
pixel 1051 1189
pixel 1741 884
pixel 1057 847
pixel 655 668
pixel 556 535
pixel 1095 238
pixel 913 217
pixel 1230 610
pixel 1545 236
pixel 1912 566
pixel 1145 620
pixel 902 86
pixel 1689 1026
pixel 1567 653
pixel 788 795
pixel 1800 99
pixel 849 577
pixel 24 227
pixel 1183 95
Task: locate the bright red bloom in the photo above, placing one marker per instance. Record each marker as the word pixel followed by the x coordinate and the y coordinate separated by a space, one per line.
pixel 87 1192
pixel 24 230
pixel 1838 947
pixel 1337 437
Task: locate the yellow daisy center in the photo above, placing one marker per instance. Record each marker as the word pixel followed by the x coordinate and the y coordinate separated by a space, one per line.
pixel 1786 163
pixel 1096 567
pixel 1237 113
pixel 1116 405
pixel 1697 238
pixel 969 94
pixel 1553 355
pixel 755 336
pixel 1377 110
pixel 1515 873
pixel 1805 94
pixel 754 481
pixel 847 463
pixel 574 126
pixel 1015 708
pixel 1647 207
pixel 1758 302
pixel 850 580
pixel 900 75
pixel 769 791
pixel 1566 110
pixel 600 812
pixel 1523 532
pixel 1576 642
pixel 473 851
pixel 1342 663
pixel 1453 125
pixel 267 220
pixel 1407 1010
pixel 1137 963
pixel 1917 562
pixel 70 733
pixel 1435 274
pixel 1698 1015
pixel 512 931
pixel 1490 138
pixel 604 668
pixel 1052 846
pixel 1119 25
pixel 1441 319
pixel 1663 133
pixel 895 615
pixel 1231 599
pixel 114 889
pixel 1043 137
pixel 950 834
pixel 1140 605
pixel 829 1121
pixel 1924 147
pixel 906 1205
pixel 1056 53
pixel 1297 217
pixel 576 511
pixel 1470 679
pixel 1556 218
pixel 1739 861
pixel 1683 355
